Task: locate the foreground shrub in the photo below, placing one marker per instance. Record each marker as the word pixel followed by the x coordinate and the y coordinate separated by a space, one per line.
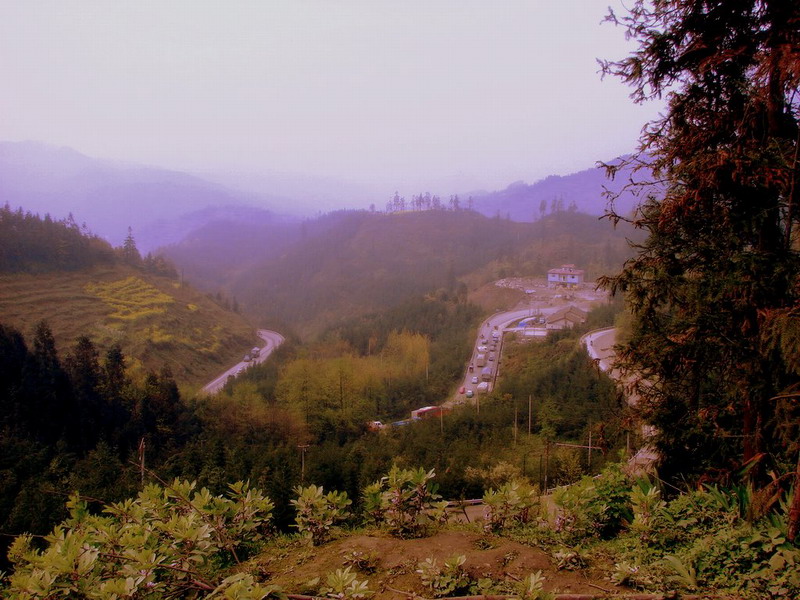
pixel 702 540
pixel 594 507
pixel 400 499
pixel 317 512
pixel 173 541
pixel 446 580
pixel 342 584
pixel 513 503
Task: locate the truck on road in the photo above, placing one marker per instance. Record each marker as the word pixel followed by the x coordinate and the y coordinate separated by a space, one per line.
pixel 480 360
pixel 486 374
pixel 429 411
pixel 483 388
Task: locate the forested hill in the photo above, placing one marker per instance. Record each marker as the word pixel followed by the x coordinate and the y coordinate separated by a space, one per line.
pixel 351 263
pixel 51 270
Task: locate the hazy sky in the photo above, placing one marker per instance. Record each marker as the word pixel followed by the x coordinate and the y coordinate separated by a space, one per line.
pixel 439 95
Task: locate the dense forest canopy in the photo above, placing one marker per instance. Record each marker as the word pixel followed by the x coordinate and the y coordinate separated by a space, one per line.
pixel 29 243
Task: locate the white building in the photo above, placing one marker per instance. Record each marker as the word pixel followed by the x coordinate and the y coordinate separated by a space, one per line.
pixel 565 276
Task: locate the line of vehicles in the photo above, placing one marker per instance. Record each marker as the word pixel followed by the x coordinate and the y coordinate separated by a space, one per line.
pixel 252 355
pixel 248 358
pixel 426 412
pixel 485 361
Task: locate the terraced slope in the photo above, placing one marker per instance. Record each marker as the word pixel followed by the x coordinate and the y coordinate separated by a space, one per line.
pixel 157 321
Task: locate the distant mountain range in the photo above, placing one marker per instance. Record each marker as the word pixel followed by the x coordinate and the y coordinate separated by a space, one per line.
pixel 583 190
pixel 110 197
pixel 163 207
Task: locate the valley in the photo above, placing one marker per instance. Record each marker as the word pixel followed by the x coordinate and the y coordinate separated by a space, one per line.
pixel 405 301
pixel 380 315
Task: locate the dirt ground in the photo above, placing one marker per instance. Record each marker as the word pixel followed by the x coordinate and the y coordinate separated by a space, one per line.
pixel 395 562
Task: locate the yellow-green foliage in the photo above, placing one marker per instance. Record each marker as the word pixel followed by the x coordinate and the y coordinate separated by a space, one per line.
pixel 346 381
pixel 157 321
pixel 405 353
pixel 131 298
pixel 244 413
pixel 157 335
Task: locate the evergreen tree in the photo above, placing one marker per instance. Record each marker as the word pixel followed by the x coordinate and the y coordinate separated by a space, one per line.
pixel 46 395
pixel 13 356
pixel 83 368
pixel 718 273
pixel 130 253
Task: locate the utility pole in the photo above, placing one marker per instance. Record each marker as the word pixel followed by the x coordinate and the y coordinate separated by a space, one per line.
pixel 515 422
pixel 529 415
pixel 141 460
pixel 303 462
pixel 627 444
pixel 546 464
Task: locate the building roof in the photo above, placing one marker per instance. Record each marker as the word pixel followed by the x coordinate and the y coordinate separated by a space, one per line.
pixel 568 313
pixel 566 270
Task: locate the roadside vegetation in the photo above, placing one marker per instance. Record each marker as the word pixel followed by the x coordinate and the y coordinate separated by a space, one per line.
pixel 326 506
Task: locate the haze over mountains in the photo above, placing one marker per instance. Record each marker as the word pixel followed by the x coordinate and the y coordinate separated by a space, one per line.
pixel 160 205
pixel 584 190
pixel 164 206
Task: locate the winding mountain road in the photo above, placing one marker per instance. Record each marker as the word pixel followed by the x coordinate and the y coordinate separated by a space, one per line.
pixel 272 339
pixel 600 346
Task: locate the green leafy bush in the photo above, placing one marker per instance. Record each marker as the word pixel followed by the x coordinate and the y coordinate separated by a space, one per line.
pixel 511 503
pixel 317 512
pixel 400 499
pixel 594 507
pixel 342 584
pixel 532 588
pixel 172 541
pixel 703 540
pixel 447 580
pixel 648 510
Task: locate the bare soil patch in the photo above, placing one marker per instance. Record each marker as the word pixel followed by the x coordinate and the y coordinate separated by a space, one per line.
pixel 396 562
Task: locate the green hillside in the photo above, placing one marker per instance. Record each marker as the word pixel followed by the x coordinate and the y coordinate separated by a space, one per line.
pixel 81 286
pixel 157 321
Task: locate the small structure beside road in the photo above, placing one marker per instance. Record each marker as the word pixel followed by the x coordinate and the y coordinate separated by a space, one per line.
pixel 566 318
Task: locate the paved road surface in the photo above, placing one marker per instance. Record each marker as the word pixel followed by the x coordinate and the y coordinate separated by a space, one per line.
pixel 272 339
pixel 600 346
pixel 501 321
